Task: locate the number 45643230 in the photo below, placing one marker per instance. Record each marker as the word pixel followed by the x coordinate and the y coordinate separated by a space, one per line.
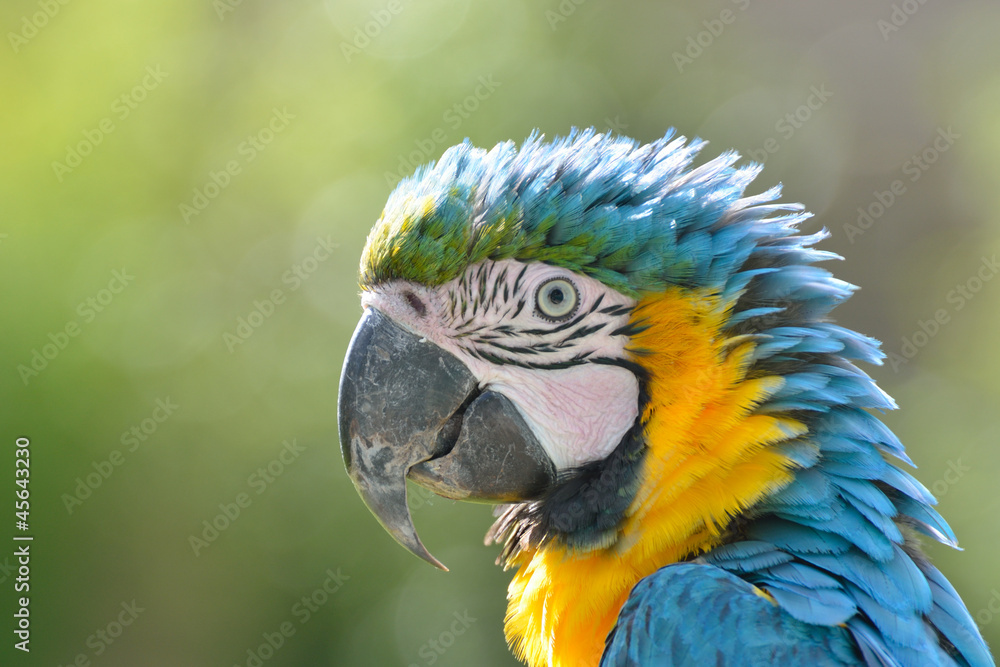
pixel 22 466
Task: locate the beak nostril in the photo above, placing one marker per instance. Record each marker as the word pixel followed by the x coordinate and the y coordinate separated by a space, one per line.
pixel 415 303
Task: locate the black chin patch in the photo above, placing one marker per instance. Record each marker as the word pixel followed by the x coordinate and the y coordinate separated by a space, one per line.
pixel 582 510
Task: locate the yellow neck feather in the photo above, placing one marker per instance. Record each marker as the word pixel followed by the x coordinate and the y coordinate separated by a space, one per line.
pixel 709 458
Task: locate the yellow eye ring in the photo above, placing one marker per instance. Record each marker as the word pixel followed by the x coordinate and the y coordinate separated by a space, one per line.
pixel 557 299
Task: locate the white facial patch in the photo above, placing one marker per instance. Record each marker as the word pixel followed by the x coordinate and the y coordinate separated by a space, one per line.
pixel 578 414
pixel 559 372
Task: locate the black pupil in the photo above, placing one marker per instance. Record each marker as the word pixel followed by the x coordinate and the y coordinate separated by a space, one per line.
pixel 556 295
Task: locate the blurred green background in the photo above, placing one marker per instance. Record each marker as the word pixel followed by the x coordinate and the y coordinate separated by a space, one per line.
pixel 185 191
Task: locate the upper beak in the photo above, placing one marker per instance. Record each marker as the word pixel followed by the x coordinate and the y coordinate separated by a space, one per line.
pixel 409 408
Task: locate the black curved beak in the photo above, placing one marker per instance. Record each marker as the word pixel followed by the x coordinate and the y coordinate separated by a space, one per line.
pixel 408 408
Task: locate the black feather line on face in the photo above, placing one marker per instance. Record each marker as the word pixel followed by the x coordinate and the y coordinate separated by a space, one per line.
pixel 562 327
pixel 597 302
pixel 630 329
pixel 517 349
pixel 582 332
pixel 615 311
pixel 520 307
pixel 520 276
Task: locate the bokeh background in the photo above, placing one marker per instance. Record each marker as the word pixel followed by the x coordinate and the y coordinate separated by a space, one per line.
pixel 186 186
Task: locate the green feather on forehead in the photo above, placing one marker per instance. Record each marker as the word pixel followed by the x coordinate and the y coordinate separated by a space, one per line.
pixel 632 216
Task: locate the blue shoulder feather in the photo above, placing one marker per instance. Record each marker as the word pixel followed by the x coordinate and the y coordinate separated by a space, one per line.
pixel 693 614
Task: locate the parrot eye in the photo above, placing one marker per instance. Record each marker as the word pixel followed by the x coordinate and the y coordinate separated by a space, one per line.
pixel 556 299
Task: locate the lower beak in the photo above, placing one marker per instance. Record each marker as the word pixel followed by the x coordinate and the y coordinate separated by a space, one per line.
pixel 408 408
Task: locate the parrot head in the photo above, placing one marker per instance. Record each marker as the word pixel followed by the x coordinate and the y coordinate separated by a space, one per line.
pixel 624 351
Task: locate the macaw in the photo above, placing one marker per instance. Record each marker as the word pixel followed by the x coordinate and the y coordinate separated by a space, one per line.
pixel 634 360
